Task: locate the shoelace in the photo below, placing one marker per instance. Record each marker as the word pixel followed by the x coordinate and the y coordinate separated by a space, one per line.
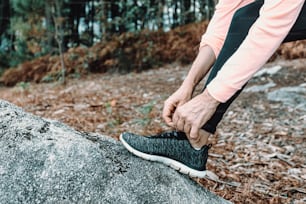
pixel 169 134
pixel 164 134
pixel 172 134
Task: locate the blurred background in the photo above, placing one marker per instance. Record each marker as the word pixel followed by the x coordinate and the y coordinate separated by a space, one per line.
pixel 108 66
pixel 34 28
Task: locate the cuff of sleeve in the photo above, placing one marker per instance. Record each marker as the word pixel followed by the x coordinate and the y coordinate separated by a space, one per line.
pixel 214 44
pixel 220 91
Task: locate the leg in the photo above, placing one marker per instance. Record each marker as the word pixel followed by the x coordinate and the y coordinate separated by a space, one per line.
pixel 241 23
pixel 242 20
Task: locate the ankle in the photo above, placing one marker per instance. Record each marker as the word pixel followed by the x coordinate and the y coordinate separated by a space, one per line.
pixel 201 141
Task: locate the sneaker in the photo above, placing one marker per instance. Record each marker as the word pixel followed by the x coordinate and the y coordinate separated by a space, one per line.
pixel 171 148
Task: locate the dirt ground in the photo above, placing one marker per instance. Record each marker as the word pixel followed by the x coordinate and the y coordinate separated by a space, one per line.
pixel 259 150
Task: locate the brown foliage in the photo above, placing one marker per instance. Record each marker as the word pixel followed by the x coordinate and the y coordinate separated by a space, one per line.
pixel 128 52
pixel 293 50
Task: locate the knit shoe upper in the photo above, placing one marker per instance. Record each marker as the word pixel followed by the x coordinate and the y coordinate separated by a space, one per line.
pixel 171 148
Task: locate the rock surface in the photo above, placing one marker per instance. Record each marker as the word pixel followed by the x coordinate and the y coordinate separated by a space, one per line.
pixel 293 96
pixel 44 161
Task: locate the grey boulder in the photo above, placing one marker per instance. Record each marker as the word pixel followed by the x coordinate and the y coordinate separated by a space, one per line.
pixel 44 161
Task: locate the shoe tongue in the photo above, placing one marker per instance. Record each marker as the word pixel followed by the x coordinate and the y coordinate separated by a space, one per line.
pixel 173 134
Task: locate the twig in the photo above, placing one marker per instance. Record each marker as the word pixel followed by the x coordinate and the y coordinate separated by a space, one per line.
pixel 300 190
pixel 59 37
pixel 213 177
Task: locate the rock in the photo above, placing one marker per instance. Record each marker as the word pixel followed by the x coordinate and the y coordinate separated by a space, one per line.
pixel 44 161
pixel 258 88
pixel 268 71
pixel 293 96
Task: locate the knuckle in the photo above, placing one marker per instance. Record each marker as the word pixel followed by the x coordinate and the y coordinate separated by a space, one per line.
pixel 188 122
pixel 166 101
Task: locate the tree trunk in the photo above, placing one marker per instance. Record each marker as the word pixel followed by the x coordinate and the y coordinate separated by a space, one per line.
pixel 4 15
pixel 122 24
pixel 104 20
pixel 160 14
pixel 135 17
pixel 92 20
pixel 114 14
pixel 188 14
pixel 49 26
pixel 59 35
pixel 175 15
pixel 77 10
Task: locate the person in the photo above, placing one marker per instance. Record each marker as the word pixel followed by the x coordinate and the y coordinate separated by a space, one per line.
pixel 240 38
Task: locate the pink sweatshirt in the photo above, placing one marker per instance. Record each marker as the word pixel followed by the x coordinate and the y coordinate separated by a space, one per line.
pixel 275 20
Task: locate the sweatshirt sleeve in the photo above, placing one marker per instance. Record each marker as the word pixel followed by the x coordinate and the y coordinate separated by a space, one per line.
pixel 275 20
pixel 219 24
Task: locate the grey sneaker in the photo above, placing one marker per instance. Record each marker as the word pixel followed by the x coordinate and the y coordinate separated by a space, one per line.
pixel 171 148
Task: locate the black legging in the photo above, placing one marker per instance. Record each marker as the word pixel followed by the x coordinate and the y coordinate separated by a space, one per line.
pixel 242 21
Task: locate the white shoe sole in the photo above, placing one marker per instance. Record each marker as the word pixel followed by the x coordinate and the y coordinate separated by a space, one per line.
pixel 167 161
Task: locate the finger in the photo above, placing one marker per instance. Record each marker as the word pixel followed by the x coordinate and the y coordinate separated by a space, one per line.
pixel 180 124
pixel 181 103
pixel 167 113
pixel 168 120
pixel 194 133
pixel 187 128
pixel 175 118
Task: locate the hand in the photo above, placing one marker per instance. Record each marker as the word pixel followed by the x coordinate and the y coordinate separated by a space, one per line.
pixel 191 116
pixel 178 98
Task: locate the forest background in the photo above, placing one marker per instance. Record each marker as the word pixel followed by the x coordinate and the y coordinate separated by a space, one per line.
pixel 258 155
pixel 33 28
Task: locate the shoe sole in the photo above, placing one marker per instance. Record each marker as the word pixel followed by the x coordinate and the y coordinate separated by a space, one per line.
pixel 167 161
